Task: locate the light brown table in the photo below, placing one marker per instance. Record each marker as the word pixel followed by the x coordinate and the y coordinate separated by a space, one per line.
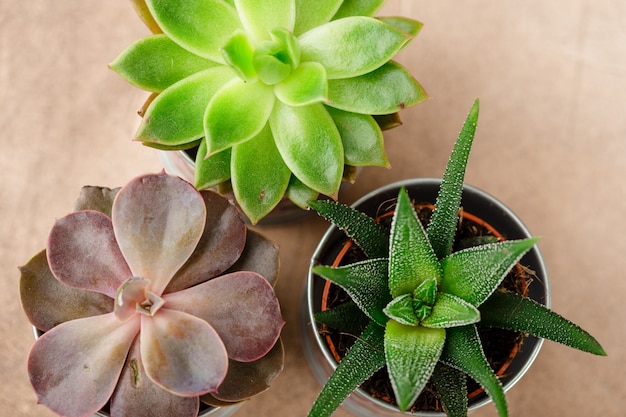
pixel 551 144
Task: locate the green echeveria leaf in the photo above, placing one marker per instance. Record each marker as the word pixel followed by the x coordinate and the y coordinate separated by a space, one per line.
pixel 238 53
pixel 401 309
pixel 474 274
pixel 443 222
pixel 463 351
pixel 300 194
pixel 411 353
pixel 237 113
pixel 450 311
pixel 311 14
pixel 362 138
pixel 213 170
pixel 258 174
pixel 511 311
pixel 358 8
pixel 306 85
pixel 175 116
pixel 362 361
pixel 406 25
pixel 156 62
pixel 352 46
pixel 365 282
pixel 259 18
pixel 368 235
pixel 451 384
pixel 385 90
pixel 310 145
pixel 144 14
pixel 411 259
pixel 200 26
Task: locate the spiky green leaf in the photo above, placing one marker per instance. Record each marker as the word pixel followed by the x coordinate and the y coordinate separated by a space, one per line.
pixel 365 282
pixel 511 311
pixel 450 311
pixel 385 90
pixel 443 222
pixel 401 309
pixel 473 274
pixel 411 259
pixel 411 353
pixel 463 351
pixel 346 318
pixel 368 235
pixel 451 384
pixel 362 361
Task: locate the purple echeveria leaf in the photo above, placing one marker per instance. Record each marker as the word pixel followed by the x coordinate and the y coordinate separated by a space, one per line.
pixel 260 255
pixel 83 253
pixel 158 221
pixel 219 248
pixel 136 393
pixel 96 198
pixel 48 303
pixel 74 367
pixel 246 379
pixel 182 353
pixel 241 307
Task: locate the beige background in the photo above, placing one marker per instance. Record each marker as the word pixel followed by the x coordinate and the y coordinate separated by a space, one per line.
pixel 551 144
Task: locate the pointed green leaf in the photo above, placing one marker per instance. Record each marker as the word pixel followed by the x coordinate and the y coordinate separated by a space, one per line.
pixel 144 14
pixel 310 145
pixel 358 8
pixel 310 14
pixel 368 235
pixel 213 170
pixel 401 310
pixel 406 25
pixel 387 121
pixel 426 291
pixel 511 311
pixel 200 26
pixel 463 351
pixel 352 46
pixel 306 85
pixel 365 282
pixel 385 90
pixel 346 318
pixel 259 175
pixel 362 138
pixel 362 361
pixel 237 113
pixel 176 115
pixel 411 259
pixel 300 194
pixel 238 53
pixel 442 227
pixel 451 384
pixel 451 311
pixel 411 354
pixel 474 274
pixel 156 62
pixel 259 18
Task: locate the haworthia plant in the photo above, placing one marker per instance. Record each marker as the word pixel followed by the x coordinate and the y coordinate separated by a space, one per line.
pixel 424 301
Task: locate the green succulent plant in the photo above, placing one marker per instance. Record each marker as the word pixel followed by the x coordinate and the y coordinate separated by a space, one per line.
pixel 280 97
pixel 424 301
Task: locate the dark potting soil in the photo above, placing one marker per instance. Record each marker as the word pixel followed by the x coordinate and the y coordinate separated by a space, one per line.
pixel 499 345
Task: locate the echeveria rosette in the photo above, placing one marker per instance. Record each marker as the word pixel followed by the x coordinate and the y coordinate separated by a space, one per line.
pixel 281 96
pixel 424 301
pixel 148 308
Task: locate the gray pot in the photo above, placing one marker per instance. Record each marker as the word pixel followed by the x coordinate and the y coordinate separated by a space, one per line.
pixel 474 201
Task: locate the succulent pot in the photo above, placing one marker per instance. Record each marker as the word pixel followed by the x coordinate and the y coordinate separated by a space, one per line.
pixel 478 208
pixel 205 410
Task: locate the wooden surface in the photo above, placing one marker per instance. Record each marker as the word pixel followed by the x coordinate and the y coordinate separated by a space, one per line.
pixel 551 144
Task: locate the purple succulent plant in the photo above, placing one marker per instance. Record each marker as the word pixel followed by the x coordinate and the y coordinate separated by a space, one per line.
pixel 148 308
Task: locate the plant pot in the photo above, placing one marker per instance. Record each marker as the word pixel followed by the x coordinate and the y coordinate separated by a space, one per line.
pixel 205 410
pixel 498 218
